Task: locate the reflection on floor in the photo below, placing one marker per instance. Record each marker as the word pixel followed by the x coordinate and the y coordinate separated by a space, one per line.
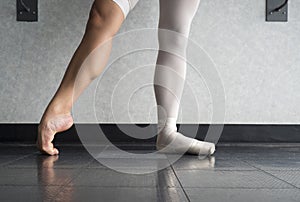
pixel 235 174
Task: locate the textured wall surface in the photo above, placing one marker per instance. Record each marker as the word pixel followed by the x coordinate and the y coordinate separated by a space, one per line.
pixel 258 64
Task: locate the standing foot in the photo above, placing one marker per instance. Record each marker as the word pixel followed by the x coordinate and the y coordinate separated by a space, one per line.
pixel 47 129
pixel 175 142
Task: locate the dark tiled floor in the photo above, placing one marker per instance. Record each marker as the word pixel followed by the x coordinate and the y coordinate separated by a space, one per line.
pixel 236 173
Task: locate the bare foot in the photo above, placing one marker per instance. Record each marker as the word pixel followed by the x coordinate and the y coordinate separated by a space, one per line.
pixel 47 130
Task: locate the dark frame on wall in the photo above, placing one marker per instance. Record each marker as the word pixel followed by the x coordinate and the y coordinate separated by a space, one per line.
pixel 27 10
pixel 277 10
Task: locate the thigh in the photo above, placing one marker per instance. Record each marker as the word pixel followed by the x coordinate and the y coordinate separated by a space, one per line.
pixel 177 15
pixel 132 3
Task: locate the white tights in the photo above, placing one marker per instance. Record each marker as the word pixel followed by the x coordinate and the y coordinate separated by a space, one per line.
pixel 174 26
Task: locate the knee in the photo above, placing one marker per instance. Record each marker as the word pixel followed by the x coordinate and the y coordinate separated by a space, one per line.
pixel 104 21
pixel 96 20
pixel 172 41
pixel 179 24
pixel 173 35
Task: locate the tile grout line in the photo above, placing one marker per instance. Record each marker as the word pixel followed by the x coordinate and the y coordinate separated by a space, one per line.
pixel 63 186
pixel 80 170
pixel 180 184
pixel 270 174
pixel 5 165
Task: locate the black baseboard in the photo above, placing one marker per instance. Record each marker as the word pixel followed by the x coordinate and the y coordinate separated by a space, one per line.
pixel 233 133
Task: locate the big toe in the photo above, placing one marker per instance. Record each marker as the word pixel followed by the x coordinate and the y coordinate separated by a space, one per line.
pixel 53 151
pixel 212 149
pixel 50 151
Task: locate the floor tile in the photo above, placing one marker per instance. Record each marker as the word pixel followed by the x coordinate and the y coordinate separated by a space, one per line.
pixel 228 179
pixel 6 159
pixel 9 154
pixel 270 152
pixel 63 160
pixel 232 174
pixel 257 152
pixel 140 161
pixel 112 178
pixel 41 176
pixel 28 193
pixel 121 194
pixel 244 195
pixel 290 176
pixel 17 149
pixel 279 163
pixel 138 166
pixel 210 163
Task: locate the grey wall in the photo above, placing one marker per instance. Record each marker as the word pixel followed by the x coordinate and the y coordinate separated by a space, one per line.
pixel 258 63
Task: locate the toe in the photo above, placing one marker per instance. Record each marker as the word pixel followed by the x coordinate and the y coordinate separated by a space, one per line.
pixel 212 149
pixel 49 149
pixel 56 152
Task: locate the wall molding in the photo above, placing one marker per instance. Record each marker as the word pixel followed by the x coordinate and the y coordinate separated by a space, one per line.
pixel 232 133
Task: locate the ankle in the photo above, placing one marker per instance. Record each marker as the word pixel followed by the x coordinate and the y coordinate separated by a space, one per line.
pixel 166 126
pixel 166 130
pixel 55 108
